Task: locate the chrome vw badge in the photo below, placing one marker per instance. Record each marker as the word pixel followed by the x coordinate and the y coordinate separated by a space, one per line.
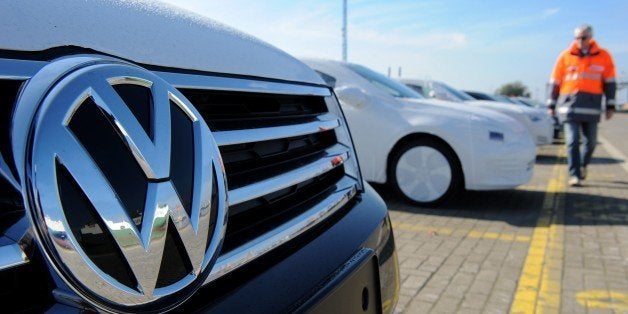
pixel 124 183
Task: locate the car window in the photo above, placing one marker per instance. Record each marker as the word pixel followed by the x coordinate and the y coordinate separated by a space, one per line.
pixel 384 83
pixel 479 96
pixel 450 91
pixel 504 99
pixel 417 88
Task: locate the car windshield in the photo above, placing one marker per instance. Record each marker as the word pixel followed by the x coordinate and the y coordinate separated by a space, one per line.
pixel 384 83
pixel 530 102
pixel 504 99
pixel 450 91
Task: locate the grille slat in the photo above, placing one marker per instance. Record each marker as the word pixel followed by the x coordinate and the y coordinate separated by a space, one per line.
pixel 285 162
pixel 8 96
pixel 344 190
pixel 335 156
pixel 253 162
pixel 225 111
pixel 324 123
pixel 12 255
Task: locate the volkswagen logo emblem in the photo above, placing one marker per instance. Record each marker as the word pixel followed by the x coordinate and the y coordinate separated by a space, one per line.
pixel 124 182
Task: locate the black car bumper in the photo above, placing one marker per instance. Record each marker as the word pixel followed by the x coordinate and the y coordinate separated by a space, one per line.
pixel 347 264
pixel 308 274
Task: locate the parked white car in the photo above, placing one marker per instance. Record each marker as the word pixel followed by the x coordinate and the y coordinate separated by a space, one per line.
pixel 540 107
pixel 538 122
pixel 427 149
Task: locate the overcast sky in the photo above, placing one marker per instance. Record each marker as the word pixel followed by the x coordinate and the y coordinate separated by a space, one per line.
pixel 476 45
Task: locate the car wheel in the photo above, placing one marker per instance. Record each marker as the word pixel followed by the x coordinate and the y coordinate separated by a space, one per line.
pixel 426 172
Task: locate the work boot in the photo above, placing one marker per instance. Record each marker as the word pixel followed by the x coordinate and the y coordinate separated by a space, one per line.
pixel 574 181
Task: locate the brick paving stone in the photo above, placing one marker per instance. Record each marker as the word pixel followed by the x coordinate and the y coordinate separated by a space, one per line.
pixel 492 308
pixel 506 284
pixel 447 272
pixel 470 267
pixel 411 263
pixel 429 295
pixel 481 286
pixel 446 305
pixel 500 297
pixel 402 302
pixel 429 268
pixel 600 311
pixel 419 306
pixel 474 301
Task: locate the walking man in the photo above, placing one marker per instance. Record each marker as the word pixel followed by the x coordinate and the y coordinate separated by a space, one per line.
pixel 582 75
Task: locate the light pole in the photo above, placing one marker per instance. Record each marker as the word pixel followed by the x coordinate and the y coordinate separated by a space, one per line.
pixel 344 30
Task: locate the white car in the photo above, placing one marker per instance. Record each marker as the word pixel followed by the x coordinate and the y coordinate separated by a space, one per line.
pixel 427 149
pixel 538 122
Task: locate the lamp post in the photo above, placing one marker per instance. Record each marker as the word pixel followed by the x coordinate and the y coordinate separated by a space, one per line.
pixel 344 30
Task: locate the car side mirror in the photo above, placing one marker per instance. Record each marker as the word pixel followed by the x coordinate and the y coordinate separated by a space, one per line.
pixel 352 95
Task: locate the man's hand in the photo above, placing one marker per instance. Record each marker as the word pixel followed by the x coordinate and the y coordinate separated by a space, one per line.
pixel 609 113
pixel 551 112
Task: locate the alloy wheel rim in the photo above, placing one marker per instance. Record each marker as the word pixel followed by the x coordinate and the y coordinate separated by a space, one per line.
pixel 423 174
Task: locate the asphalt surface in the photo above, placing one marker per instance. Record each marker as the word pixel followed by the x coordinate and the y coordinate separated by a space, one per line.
pixel 544 247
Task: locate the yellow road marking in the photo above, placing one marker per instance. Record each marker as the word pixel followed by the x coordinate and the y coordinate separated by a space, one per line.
pixel 539 287
pixel 602 299
pixel 469 234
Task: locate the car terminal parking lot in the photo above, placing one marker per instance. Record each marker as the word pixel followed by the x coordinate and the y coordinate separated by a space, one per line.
pixel 542 247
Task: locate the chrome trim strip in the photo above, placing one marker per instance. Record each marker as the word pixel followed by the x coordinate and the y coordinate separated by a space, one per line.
pixel 346 189
pixel 325 122
pixel 13 69
pixel 195 81
pixel 12 255
pixel 25 69
pixel 5 172
pixel 336 156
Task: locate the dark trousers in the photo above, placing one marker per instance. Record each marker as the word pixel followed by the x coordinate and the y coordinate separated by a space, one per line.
pixel 579 155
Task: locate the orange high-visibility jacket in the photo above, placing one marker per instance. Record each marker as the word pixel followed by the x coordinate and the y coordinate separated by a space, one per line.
pixel 580 80
pixel 575 73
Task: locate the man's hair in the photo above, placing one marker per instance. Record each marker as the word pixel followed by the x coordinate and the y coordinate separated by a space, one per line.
pixel 585 29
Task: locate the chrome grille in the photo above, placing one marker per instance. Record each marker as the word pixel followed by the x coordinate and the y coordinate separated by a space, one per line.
pixel 285 146
pixel 281 153
pixel 20 265
pixel 9 91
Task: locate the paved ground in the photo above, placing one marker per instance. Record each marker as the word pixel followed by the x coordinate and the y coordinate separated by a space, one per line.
pixel 543 247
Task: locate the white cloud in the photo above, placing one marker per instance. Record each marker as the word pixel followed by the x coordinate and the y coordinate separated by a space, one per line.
pixel 550 12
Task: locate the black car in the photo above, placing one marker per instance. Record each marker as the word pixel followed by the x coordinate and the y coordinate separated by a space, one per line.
pixel 152 160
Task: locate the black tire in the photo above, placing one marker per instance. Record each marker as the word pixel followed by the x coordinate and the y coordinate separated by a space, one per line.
pixel 432 159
